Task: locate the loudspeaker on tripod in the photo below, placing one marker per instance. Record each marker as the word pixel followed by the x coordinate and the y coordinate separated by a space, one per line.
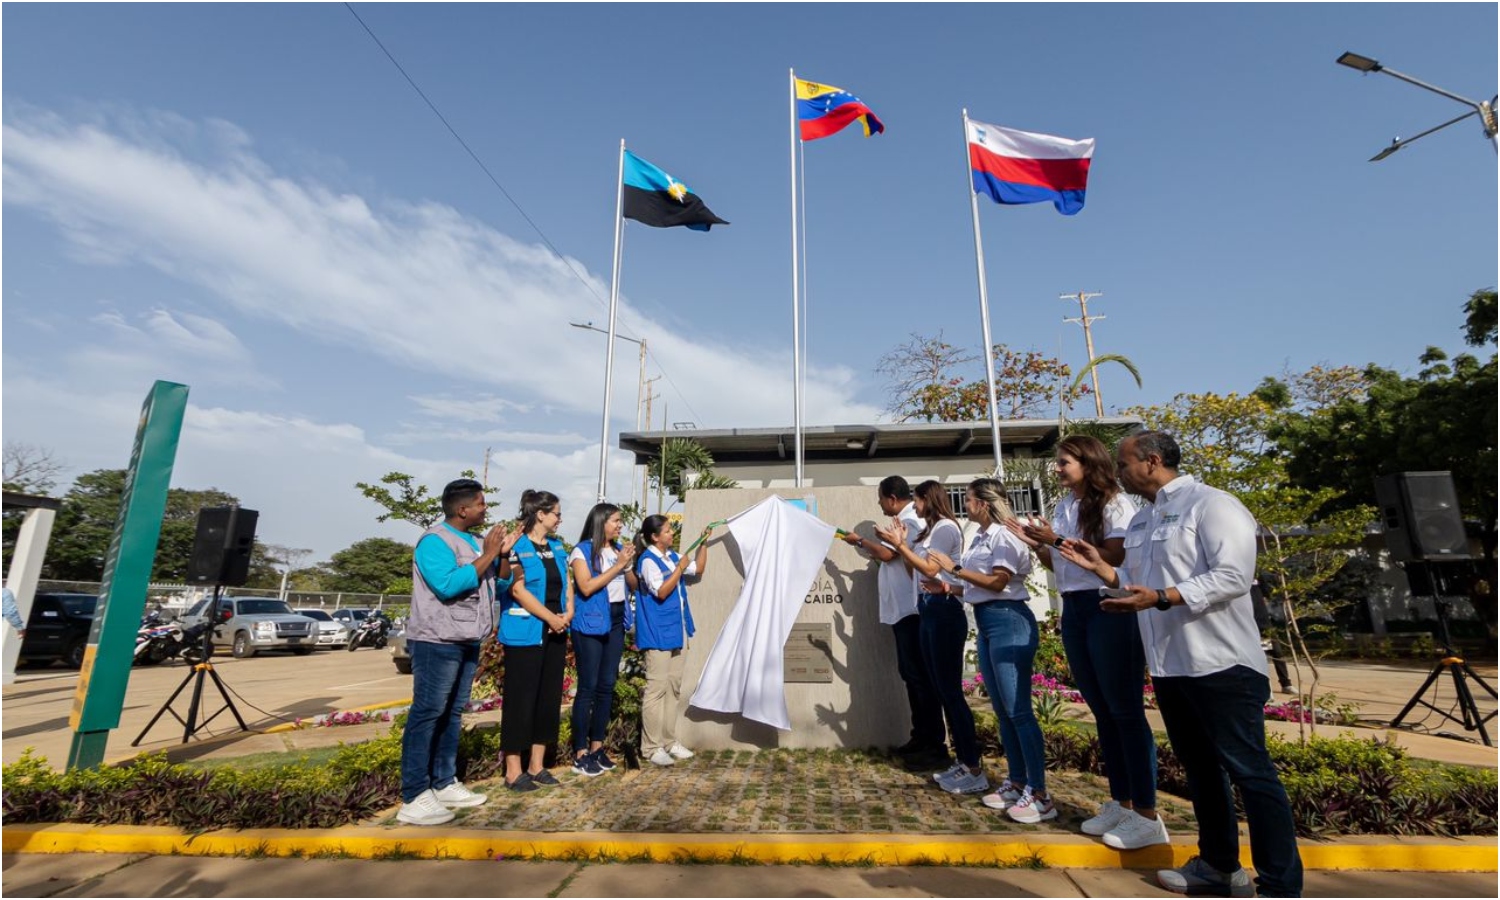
pixel 1421 516
pixel 221 548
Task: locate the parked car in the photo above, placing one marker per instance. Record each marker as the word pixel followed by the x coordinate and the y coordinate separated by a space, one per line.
pixel 331 633
pixel 58 628
pixel 251 624
pixel 399 656
pixel 349 617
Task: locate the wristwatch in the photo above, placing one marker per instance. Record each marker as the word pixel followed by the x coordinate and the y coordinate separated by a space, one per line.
pixel 956 569
pixel 1058 542
pixel 1162 602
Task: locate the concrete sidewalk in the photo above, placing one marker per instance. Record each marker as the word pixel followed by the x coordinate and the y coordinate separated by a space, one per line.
pixel 110 875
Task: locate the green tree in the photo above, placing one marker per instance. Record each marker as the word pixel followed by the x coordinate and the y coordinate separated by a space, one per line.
pixel 28 469
pixel 407 501
pixel 86 523
pixel 681 455
pixel 372 566
pixel 1479 312
pixel 1442 419
pixel 930 380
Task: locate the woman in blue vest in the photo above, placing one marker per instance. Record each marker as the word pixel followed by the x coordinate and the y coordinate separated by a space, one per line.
pixel 663 623
pixel 534 620
pixel 602 574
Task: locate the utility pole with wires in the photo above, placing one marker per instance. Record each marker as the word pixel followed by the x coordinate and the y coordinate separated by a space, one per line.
pixel 648 395
pixel 1084 319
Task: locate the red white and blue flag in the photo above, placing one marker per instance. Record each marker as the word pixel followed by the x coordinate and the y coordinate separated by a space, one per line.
pixel 1014 167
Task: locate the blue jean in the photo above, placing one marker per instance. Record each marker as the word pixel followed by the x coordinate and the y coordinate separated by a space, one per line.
pixel 1007 649
pixel 1109 666
pixel 921 694
pixel 442 676
pixel 597 657
pixel 945 630
pixel 1217 727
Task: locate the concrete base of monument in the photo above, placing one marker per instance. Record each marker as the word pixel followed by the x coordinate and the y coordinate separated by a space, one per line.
pixel 842 688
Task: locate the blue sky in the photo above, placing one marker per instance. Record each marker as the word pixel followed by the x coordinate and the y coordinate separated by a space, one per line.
pixel 251 200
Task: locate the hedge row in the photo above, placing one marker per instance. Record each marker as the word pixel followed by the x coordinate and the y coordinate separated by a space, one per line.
pixel 1336 786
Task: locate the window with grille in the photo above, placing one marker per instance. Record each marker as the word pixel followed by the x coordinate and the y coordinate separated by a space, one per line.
pixel 1023 499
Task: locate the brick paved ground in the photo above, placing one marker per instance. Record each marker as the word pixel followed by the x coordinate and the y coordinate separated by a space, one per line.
pixel 781 791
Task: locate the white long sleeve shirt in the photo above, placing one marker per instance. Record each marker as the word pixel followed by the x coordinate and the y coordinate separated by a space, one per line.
pixel 1201 541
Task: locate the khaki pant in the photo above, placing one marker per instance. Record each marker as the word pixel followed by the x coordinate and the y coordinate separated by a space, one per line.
pixel 660 702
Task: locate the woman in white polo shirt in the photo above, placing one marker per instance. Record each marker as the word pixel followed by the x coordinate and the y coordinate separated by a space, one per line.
pixel 1104 650
pixel 993 574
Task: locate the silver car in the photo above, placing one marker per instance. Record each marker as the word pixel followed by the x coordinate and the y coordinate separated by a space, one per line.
pixel 251 624
pixel 330 632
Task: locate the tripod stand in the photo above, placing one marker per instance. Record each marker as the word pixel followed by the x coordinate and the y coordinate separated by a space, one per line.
pixel 201 670
pixel 1450 662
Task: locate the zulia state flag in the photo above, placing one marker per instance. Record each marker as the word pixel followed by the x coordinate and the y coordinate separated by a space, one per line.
pixel 656 198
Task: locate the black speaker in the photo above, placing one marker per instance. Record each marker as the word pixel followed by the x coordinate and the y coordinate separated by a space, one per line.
pixel 1421 517
pixel 221 549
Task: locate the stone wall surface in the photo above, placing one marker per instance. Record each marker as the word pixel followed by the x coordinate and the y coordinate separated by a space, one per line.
pixel 865 703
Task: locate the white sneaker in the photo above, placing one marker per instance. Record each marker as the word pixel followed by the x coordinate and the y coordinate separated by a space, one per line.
pixel 1004 797
pixel 1110 815
pixel 662 758
pixel 457 795
pixel 950 773
pixel 426 809
pixel 679 752
pixel 1136 831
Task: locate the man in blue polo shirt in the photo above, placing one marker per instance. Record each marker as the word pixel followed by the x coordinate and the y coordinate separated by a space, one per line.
pixel 452 610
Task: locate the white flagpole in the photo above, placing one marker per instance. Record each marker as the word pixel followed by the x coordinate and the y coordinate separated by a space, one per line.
pixel 796 278
pixel 984 305
pixel 806 296
pixel 614 298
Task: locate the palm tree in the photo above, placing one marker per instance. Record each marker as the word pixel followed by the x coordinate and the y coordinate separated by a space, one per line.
pixel 1083 373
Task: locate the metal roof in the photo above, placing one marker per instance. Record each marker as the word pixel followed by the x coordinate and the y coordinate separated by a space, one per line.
pixel 854 442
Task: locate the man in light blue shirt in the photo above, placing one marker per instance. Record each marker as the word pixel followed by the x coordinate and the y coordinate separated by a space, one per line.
pixel 452 610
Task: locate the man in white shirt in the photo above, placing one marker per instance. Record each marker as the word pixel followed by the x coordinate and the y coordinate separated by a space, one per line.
pixel 927 746
pixel 1189 564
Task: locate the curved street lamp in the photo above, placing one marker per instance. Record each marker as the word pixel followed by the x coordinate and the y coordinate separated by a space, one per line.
pixel 1484 110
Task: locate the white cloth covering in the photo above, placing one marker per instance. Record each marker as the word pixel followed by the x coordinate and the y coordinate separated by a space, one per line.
pixel 782 548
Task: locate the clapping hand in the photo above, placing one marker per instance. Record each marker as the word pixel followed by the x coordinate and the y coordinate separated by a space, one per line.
pixel 893 534
pixel 1085 556
pixel 1018 528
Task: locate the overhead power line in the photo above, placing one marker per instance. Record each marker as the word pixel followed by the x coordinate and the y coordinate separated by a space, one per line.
pixel 500 187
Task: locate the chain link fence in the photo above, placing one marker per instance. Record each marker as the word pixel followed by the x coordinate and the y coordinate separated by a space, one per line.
pixel 174 599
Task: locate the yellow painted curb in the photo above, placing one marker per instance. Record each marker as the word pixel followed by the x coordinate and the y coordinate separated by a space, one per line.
pixel 1052 851
pixel 293 726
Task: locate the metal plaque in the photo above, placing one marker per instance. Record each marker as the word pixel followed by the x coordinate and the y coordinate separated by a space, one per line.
pixel 808 658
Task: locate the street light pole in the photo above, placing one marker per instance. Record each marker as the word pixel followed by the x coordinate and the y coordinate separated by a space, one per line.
pixel 640 390
pixel 1485 110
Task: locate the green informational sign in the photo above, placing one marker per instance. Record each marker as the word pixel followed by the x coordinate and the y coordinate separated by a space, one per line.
pixel 127 575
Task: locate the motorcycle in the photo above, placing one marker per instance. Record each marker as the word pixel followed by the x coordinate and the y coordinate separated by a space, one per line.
pixel 156 641
pixel 373 631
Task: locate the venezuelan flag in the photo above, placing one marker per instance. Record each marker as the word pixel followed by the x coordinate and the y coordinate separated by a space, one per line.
pixel 823 109
pixel 1013 167
pixel 657 199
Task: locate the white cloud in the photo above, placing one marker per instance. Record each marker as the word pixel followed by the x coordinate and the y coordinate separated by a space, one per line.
pixel 291 262
pixel 333 265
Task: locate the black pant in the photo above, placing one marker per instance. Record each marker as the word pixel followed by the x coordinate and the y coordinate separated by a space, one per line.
pixel 532 710
pixel 1217 727
pixel 921 695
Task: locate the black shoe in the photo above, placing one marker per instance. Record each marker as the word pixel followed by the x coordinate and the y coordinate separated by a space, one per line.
pixel 544 777
pixel 523 784
pixel 603 759
pixel 909 747
pixel 931 760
